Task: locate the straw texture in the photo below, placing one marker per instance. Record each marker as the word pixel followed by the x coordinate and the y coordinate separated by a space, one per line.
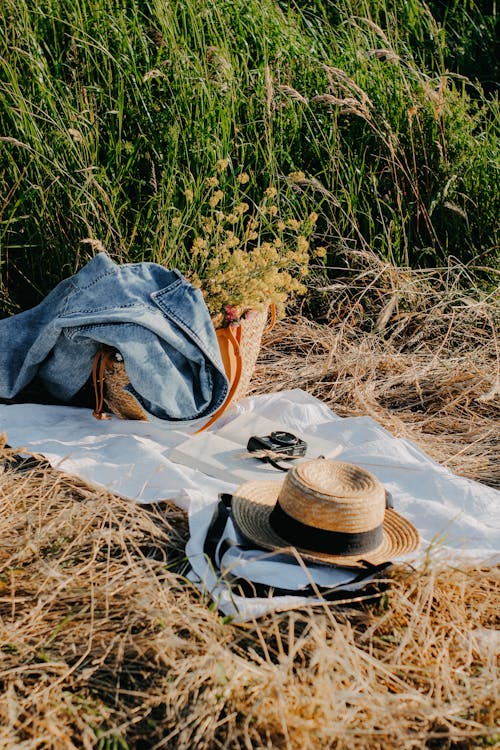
pixel 252 329
pixel 117 399
pixel 333 495
pixel 309 495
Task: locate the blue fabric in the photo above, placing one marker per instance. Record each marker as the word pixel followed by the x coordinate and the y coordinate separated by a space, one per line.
pixel 152 315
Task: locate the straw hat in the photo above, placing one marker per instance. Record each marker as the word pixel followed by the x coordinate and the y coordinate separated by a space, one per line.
pixel 330 511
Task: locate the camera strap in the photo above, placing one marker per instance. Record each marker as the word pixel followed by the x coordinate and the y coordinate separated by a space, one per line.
pixel 275 464
pixel 272 457
pixel 215 549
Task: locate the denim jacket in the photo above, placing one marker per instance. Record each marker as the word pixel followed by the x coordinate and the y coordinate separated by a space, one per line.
pixel 152 315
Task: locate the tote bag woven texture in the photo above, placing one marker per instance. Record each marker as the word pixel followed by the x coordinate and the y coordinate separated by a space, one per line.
pixel 239 346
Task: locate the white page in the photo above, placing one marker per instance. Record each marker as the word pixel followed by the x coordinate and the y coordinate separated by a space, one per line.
pixel 239 430
pixel 222 454
pixel 221 459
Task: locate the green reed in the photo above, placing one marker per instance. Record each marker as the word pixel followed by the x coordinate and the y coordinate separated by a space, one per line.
pixel 110 111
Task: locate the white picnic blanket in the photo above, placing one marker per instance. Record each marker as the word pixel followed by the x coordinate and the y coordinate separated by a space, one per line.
pixel 455 516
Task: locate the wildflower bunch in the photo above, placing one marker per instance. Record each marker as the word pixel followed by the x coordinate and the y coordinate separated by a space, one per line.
pixel 247 255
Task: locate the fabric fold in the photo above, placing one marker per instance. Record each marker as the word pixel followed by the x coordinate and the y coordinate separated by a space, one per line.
pixel 157 321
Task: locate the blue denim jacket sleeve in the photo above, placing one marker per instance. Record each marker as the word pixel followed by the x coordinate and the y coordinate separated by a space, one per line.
pixel 152 315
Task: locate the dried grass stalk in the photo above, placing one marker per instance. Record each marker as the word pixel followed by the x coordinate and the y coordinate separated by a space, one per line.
pixel 105 644
pixel 410 349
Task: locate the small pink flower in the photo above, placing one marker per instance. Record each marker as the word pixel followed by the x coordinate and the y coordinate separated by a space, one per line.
pixel 231 313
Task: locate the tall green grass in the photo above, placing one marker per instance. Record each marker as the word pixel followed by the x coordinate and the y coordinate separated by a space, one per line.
pixel 111 109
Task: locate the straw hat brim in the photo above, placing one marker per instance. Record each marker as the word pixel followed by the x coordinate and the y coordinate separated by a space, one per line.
pixel 253 503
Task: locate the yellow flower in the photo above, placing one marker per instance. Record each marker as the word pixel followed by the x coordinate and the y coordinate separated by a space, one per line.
pixel 243 178
pixel 296 176
pixel 270 192
pixel 232 240
pixel 294 223
pixel 207 225
pixel 176 221
pixel 320 252
pixel 189 194
pixel 231 218
pixel 281 226
pixel 241 208
pixel 216 198
pixel 272 210
pixel 199 243
pixel 212 181
pixel 195 281
pixel 313 217
pixel 222 164
pixel 302 243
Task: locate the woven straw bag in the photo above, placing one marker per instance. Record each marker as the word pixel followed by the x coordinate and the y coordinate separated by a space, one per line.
pixel 239 347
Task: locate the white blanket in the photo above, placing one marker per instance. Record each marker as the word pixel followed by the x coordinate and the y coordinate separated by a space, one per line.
pixel 456 517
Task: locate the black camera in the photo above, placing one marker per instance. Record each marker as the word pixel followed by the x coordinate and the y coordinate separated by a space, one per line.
pixel 284 443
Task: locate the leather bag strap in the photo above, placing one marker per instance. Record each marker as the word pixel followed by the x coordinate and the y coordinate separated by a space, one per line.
pixel 229 344
pixel 272 321
pixel 102 359
pixel 230 348
pixel 229 340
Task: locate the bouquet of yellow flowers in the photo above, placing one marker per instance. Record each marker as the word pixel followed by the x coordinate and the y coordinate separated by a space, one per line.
pixel 246 255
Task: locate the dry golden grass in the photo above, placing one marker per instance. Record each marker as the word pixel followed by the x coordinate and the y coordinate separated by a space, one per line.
pixel 407 348
pixel 105 644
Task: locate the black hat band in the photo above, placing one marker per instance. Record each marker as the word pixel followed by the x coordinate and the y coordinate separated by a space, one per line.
pixel 323 540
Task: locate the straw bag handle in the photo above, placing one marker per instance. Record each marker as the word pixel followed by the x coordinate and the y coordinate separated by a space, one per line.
pixel 229 344
pixel 272 322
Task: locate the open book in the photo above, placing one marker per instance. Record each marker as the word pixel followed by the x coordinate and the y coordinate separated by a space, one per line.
pixel 222 454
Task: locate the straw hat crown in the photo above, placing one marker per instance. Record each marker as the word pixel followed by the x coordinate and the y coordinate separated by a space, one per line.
pixel 333 495
pixel 330 511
